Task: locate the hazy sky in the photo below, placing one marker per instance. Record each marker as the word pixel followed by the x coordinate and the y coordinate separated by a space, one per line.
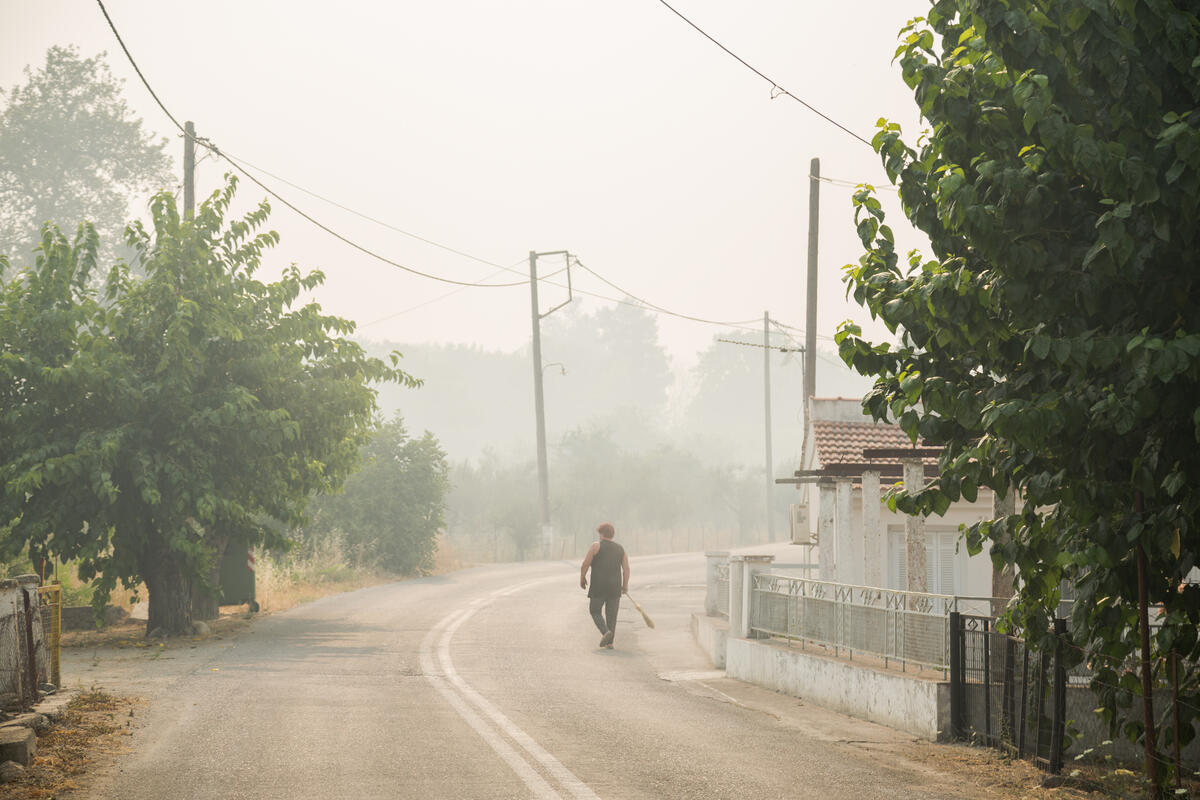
pixel 611 129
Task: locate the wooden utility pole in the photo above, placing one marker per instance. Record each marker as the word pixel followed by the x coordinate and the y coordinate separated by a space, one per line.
pixel 189 169
pixel 770 473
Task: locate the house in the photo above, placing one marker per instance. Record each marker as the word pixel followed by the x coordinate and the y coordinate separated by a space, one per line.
pixel 858 541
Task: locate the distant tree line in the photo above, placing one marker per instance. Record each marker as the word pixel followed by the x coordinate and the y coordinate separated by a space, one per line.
pixel 676 455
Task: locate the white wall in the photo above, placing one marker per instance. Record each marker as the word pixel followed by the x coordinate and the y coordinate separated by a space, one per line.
pixel 973 574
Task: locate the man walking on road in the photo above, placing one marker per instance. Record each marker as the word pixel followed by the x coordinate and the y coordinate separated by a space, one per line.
pixel 610 579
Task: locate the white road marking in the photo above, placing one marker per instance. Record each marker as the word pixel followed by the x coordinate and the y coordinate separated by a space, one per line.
pixel 536 783
pixel 694 675
pixel 447 680
pixel 718 691
pixel 568 779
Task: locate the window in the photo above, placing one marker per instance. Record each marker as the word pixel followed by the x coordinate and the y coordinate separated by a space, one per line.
pixel 942 573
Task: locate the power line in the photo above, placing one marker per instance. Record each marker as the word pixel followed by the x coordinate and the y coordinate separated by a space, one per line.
pixel 244 168
pixel 361 248
pixel 657 308
pixel 776 89
pixel 451 293
pixel 437 299
pixel 764 346
pixel 850 184
pixel 254 179
pixel 375 220
pixel 826 337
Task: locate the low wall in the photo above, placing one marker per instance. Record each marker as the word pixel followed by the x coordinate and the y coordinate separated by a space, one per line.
pixel 83 618
pixel 916 705
pixel 16 629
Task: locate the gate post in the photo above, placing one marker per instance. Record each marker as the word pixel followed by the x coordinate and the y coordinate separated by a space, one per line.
pixel 736 577
pixel 957 688
pixel 751 566
pixel 714 558
pixel 1059 709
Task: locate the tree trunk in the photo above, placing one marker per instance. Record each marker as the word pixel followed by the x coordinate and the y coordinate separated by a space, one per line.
pixel 206 594
pixel 169 589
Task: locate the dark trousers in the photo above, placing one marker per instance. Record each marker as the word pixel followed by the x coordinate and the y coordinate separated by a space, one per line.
pixel 610 604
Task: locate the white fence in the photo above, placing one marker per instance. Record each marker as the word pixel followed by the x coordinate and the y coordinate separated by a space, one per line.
pixel 895 626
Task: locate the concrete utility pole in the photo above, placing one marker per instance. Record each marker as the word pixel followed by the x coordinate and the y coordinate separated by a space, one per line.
pixel 189 169
pixel 539 408
pixel 767 425
pixel 810 316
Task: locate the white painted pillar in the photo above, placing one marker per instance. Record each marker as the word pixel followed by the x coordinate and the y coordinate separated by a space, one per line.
pixel 826 536
pixel 751 566
pixel 844 560
pixel 874 542
pixel 914 528
pixel 714 558
pixel 736 580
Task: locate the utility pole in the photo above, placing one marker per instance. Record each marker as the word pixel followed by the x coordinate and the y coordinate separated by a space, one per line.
pixel 539 408
pixel 810 317
pixel 189 169
pixel 767 425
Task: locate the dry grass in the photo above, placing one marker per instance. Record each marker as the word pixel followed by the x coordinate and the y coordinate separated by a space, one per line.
pixel 282 582
pixel 96 724
pixel 446 558
pixel 286 581
pixel 997 775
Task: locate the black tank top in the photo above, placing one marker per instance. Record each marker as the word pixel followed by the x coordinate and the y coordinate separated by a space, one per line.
pixel 606 569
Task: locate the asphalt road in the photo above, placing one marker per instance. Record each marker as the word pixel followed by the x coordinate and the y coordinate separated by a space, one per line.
pixel 487 683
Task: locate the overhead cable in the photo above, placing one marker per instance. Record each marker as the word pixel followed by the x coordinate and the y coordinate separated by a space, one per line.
pixel 658 308
pixel 369 218
pixel 850 184
pixel 254 179
pixel 245 168
pixel 776 89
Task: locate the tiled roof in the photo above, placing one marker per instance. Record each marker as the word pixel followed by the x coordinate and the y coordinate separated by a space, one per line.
pixel 843 442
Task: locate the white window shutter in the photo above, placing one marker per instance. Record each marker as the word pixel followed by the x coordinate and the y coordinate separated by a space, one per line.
pixel 898 559
pixel 946 565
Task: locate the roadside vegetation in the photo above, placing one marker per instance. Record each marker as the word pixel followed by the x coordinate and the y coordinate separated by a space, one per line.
pixel 1051 341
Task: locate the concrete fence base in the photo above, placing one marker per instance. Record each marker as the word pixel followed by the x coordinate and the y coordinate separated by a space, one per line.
pixel 914 704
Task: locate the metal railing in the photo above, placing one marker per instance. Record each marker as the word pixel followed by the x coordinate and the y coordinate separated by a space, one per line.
pixel 906 627
pixel 722 576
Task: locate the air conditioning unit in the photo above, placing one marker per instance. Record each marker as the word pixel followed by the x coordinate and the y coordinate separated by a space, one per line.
pixel 800 527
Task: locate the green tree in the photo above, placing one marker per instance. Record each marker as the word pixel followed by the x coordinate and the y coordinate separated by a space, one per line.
pixel 1052 342
pixel 391 510
pixel 70 149
pixel 194 405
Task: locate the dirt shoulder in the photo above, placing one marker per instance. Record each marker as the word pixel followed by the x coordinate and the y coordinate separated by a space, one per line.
pixel 95 728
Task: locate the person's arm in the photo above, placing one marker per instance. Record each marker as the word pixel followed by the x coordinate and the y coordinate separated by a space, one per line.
pixel 625 570
pixel 587 562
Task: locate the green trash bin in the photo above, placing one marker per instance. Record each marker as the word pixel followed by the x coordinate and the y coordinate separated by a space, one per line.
pixel 237 576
